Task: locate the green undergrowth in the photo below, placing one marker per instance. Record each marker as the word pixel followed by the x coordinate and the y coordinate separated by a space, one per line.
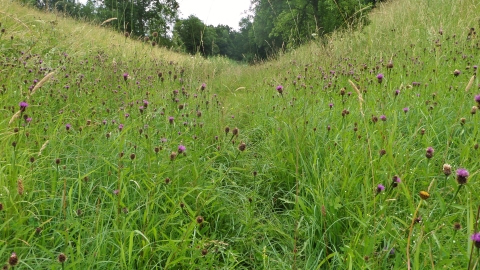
pixel 130 156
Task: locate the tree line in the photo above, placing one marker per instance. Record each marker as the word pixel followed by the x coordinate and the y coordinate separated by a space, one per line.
pixel 270 27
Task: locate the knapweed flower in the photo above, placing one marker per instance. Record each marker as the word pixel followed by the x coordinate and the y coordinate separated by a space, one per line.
pixel 380 77
pixel 120 127
pixel 383 118
pixel 125 76
pixel 62 258
pixel 203 86
pixel 462 176
pixel 396 181
pixel 181 149
pixel 242 147
pixel 280 89
pixel 477 99
pixel 171 119
pixel 330 105
pixel 447 169
pixel 68 127
pixel 457 226
pixel 173 155
pixel 456 72
pixel 476 239
pixel 380 188
pixel 406 109
pixel 23 106
pixel 13 260
pixel 429 152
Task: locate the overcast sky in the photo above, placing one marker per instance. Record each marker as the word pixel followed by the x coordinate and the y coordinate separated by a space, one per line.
pixel 215 12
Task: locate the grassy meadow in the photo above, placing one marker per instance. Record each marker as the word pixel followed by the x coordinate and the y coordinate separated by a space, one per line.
pixel 359 151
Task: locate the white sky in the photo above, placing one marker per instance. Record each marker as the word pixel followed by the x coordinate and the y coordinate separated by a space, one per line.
pixel 215 12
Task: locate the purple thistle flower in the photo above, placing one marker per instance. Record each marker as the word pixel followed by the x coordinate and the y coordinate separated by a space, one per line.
pixel 23 106
pixel 171 119
pixel 116 191
pixel 380 77
pixel 462 176
pixel 280 89
pixel 380 188
pixel 120 127
pixel 383 118
pixel 68 127
pixel 181 148
pixel 145 103
pixel 406 109
pixel 203 86
pixel 429 153
pixel 29 119
pixel 477 99
pixel 476 239
pixel 396 181
pixel 125 76
pixel 127 115
pixel 104 122
pixel 330 105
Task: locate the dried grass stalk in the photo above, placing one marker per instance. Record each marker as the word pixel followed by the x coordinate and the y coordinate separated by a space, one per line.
pixel 15 116
pixel 360 98
pixel 107 21
pixel 41 82
pixel 43 147
pixel 470 83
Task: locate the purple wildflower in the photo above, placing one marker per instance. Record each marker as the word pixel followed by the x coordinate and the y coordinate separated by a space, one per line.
pixel 23 106
pixel 203 86
pixel 380 77
pixel 429 153
pixel 280 89
pixel 380 188
pixel 181 148
pixel 330 105
pixel 477 99
pixel 476 239
pixel 116 191
pixel 68 127
pixel 462 176
pixel 406 109
pixel 171 119
pixel 396 181
pixel 29 119
pixel 383 118
pixel 125 76
pixel 120 127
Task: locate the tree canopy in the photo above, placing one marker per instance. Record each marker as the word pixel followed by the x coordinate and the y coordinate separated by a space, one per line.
pixel 271 26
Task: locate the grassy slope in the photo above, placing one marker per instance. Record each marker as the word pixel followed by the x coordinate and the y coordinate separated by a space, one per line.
pixel 300 195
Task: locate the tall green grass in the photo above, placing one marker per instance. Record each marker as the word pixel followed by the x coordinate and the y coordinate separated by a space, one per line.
pixel 303 193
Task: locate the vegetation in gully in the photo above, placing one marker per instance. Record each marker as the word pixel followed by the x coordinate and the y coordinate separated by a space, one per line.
pixel 355 151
